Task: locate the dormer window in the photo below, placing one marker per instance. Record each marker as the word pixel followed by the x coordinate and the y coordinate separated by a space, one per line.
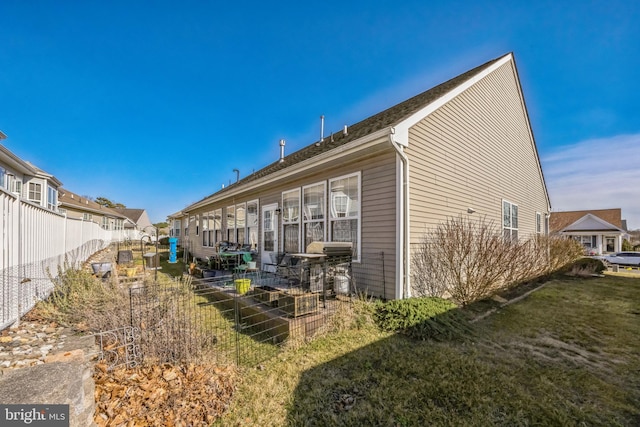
pixel 35 192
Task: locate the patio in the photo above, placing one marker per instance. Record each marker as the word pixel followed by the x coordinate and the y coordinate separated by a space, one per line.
pixel 291 302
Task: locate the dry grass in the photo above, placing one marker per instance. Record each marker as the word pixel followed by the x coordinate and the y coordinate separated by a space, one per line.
pixel 567 354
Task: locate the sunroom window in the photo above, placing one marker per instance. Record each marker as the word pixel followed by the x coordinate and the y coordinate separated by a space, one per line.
pixel 344 207
pixel 291 220
pixel 313 207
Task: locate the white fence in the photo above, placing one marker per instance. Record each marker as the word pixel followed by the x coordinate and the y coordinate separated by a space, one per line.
pixel 35 244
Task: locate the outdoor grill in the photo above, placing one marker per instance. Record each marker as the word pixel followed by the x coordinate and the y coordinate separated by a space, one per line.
pixel 331 249
pixel 333 271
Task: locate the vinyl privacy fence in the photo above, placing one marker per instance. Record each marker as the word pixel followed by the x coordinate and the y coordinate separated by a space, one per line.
pixel 35 244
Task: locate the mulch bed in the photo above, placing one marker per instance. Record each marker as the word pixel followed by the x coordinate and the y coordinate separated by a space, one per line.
pixel 163 395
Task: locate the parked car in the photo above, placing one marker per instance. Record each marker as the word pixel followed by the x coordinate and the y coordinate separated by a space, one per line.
pixel 622 258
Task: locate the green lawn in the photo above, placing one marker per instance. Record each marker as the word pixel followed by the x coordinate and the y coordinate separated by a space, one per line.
pixel 568 354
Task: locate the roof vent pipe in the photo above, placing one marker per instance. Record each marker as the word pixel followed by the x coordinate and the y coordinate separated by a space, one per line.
pixel 281 150
pixel 344 131
pixel 321 131
pixel 237 174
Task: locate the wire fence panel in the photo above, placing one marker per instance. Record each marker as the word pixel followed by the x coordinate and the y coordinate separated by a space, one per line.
pixel 243 320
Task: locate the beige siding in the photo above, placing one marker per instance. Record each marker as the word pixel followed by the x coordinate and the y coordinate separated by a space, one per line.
pixel 474 152
pixel 378 214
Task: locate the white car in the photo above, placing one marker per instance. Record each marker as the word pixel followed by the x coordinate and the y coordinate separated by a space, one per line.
pixel 622 258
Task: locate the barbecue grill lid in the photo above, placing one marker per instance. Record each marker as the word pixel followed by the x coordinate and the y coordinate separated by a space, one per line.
pixel 327 247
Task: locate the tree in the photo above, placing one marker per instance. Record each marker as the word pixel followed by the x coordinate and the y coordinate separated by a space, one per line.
pixel 103 201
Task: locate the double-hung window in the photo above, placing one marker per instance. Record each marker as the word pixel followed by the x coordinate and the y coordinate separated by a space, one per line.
pixel 205 230
pixel 291 220
pixel 510 221
pixel 35 192
pixel 217 227
pixel 231 223
pixel 52 198
pixel 241 212
pixel 87 217
pixel 538 223
pixel 252 223
pixel 313 208
pixel 344 211
pixel 105 223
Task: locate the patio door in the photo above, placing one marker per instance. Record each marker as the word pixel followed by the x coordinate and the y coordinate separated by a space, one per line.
pixel 269 245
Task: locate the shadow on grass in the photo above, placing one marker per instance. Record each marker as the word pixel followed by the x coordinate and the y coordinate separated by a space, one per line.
pixel 470 374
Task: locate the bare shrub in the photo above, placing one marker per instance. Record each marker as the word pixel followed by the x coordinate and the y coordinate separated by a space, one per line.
pixel 470 260
pixel 81 300
pixel 164 311
pixel 562 252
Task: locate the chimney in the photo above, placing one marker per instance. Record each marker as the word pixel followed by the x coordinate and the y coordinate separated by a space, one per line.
pixel 281 150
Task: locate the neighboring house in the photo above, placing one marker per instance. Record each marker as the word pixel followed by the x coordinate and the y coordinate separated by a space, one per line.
pixel 599 231
pixel 25 180
pixel 175 226
pixel 464 147
pixel 138 218
pixel 78 207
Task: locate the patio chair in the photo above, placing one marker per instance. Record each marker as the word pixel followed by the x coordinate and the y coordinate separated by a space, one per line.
pixel 289 269
pixel 244 267
pixel 271 267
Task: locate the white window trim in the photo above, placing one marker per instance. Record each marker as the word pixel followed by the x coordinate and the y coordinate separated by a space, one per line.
pixel 204 218
pixel 511 228
pixel 298 221
pixel 358 217
pixel 38 201
pixel 227 228
pixel 246 221
pixel 216 229
pixel 52 204
pixel 325 213
pixel 244 228
pixel 539 224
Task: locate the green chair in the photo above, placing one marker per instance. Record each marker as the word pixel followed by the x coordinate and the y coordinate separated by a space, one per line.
pixel 242 268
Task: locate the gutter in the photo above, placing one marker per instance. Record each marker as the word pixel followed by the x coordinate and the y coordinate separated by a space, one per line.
pixel 403 236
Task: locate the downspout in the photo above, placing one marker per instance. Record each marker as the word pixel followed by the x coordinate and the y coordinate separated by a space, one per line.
pixel 404 223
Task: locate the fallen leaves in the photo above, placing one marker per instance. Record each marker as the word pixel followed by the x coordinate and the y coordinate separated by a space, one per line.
pixel 163 395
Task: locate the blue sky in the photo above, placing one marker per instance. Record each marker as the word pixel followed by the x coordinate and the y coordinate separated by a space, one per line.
pixel 153 104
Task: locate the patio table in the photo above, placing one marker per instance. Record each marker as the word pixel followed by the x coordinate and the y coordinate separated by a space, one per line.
pixel 229 257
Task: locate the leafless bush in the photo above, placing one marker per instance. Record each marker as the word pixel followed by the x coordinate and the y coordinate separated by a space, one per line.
pixel 87 303
pixel 171 326
pixel 470 260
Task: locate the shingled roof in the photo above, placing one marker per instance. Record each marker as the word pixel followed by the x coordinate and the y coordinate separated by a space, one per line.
pixel 73 200
pixel 560 220
pixel 389 117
